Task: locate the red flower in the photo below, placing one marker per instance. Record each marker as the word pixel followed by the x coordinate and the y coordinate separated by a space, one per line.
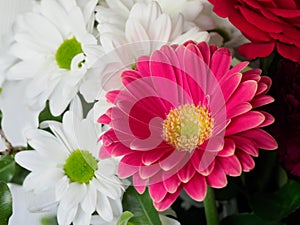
pixel 267 24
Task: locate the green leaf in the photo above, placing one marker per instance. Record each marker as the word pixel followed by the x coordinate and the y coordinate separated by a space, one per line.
pixel 246 219
pixel 5 204
pixel 46 115
pixel 7 168
pixel 124 218
pixel 278 205
pixel 141 206
pixel 20 174
pixel 49 221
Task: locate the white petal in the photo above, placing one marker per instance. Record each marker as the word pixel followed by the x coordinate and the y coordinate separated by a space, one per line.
pixel 73 196
pixel 89 202
pixel 66 216
pixel 104 208
pixel 116 206
pixel 8 12
pixel 14 123
pixel 82 218
pixel 168 221
pixel 57 129
pixel 47 145
pixel 31 160
pixel 61 187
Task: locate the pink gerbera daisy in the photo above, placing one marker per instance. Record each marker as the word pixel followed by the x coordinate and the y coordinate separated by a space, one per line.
pixel 185 119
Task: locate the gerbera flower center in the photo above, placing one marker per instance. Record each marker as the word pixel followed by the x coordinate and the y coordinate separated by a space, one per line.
pixel 66 52
pixel 187 127
pixel 80 166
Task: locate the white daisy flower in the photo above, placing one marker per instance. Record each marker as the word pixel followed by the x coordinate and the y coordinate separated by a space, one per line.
pixel 66 166
pixel 138 29
pixel 116 12
pixel 56 49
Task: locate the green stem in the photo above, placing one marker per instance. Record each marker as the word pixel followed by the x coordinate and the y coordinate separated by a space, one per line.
pixel 210 207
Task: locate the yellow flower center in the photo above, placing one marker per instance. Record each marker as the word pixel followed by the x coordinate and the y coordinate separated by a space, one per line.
pixel 187 127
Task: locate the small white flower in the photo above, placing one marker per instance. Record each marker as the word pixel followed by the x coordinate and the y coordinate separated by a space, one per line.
pixel 56 49
pixel 66 166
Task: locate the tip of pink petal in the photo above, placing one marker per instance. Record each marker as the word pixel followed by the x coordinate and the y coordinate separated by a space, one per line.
pixel 104 153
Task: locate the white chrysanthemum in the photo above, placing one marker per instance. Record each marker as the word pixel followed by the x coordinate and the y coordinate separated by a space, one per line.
pixel 56 49
pixel 116 12
pixel 128 31
pixel 66 164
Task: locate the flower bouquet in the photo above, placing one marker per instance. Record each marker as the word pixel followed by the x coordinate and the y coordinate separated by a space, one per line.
pixel 150 112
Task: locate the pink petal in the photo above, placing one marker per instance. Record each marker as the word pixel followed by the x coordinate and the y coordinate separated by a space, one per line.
pixel 262 139
pixel 167 201
pixel 269 119
pixel 174 159
pixel 149 171
pixel 267 81
pixel 104 119
pixel 244 93
pixel 143 65
pixel 104 153
pixel 196 187
pixel 231 165
pixel 186 173
pixel 245 144
pixel 155 155
pixel 139 183
pixel 157 191
pixel 200 164
pixel 162 66
pixel 125 170
pixel 244 122
pixel 171 184
pixel 229 84
pixel 112 96
pixel 246 161
pixel 205 51
pixel 217 178
pixel 109 137
pixel 238 68
pixel 253 74
pixel 220 62
pixel 261 100
pixel 119 149
pixel 238 109
pixel 228 149
pixel 262 88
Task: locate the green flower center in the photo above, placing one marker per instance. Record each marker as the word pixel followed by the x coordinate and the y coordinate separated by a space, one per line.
pixel 80 166
pixel 66 52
